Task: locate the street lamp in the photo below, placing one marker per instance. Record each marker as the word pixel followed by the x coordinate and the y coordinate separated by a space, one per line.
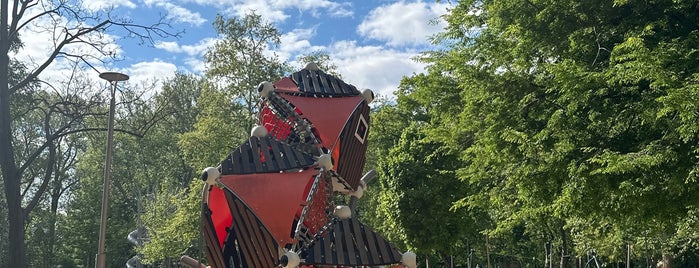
pixel 113 78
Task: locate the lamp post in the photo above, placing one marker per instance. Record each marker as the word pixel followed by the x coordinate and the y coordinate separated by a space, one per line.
pixel 113 78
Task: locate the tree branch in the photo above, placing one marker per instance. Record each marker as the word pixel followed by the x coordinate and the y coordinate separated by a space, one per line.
pixel 69 39
pixel 41 148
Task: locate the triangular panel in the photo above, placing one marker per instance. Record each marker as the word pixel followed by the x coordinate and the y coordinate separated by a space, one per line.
pixel 351 243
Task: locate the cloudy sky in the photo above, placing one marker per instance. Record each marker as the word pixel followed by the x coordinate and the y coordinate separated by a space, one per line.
pixel 371 42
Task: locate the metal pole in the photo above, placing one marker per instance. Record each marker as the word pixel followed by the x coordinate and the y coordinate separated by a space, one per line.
pixel 113 78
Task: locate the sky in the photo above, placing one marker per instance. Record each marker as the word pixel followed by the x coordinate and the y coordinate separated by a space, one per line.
pixel 371 42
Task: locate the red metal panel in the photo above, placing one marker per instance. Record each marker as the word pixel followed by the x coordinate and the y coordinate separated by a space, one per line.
pixel 220 213
pixel 274 197
pixel 286 84
pixel 328 115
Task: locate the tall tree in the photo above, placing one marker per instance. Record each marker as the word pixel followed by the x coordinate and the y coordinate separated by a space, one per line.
pixel 72 25
pixel 579 131
pixel 244 58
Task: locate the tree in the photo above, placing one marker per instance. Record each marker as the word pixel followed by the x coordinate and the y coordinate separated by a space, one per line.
pixel 322 59
pixel 579 131
pixel 241 61
pixel 73 26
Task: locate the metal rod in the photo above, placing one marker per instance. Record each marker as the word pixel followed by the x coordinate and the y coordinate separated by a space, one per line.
pixel 113 78
pixel 101 258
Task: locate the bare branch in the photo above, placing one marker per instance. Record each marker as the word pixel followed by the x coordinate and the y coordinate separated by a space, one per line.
pixel 69 39
pixel 41 148
pixel 14 29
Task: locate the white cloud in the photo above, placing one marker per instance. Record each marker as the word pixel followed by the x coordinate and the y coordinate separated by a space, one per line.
pixel 403 23
pixel 178 13
pixel 98 5
pixel 149 71
pixel 195 53
pixel 276 10
pixel 197 49
pixel 373 67
pixel 295 42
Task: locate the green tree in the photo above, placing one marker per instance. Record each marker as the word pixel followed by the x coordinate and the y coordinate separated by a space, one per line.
pixel 322 59
pixel 240 61
pixel 582 119
pixel 70 29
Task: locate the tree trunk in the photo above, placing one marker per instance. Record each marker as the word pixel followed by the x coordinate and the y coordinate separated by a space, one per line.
pixel 11 178
pixel 487 250
pixel 667 260
pixel 564 249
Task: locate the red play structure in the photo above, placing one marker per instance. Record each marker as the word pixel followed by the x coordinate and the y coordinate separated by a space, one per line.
pixel 272 201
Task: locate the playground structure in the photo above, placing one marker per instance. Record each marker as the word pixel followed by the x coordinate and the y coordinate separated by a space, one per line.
pixel 272 201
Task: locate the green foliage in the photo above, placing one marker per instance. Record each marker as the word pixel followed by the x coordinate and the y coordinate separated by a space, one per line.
pixel 322 59
pixel 171 219
pixel 573 119
pixel 239 61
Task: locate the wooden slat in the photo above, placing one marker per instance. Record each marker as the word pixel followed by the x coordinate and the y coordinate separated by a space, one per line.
pixel 266 249
pixel 261 249
pixel 235 162
pixel 291 156
pixel 329 252
pixel 337 234
pixel 296 77
pixel 335 83
pixel 245 158
pixel 282 162
pixel 357 234
pixel 327 86
pixel 304 80
pixel 317 252
pixel 213 250
pixel 370 242
pixel 351 244
pixel 241 231
pixel 269 161
pixel 382 249
pixel 255 154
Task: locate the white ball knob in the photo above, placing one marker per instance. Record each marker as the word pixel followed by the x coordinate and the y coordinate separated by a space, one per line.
pixel 265 89
pixel 290 260
pixel 209 175
pixel 258 131
pixel 342 212
pixel 325 161
pixel 359 192
pixel 409 259
pixel 368 95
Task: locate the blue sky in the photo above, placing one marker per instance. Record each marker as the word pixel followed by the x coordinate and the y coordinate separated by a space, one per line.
pixel 371 42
